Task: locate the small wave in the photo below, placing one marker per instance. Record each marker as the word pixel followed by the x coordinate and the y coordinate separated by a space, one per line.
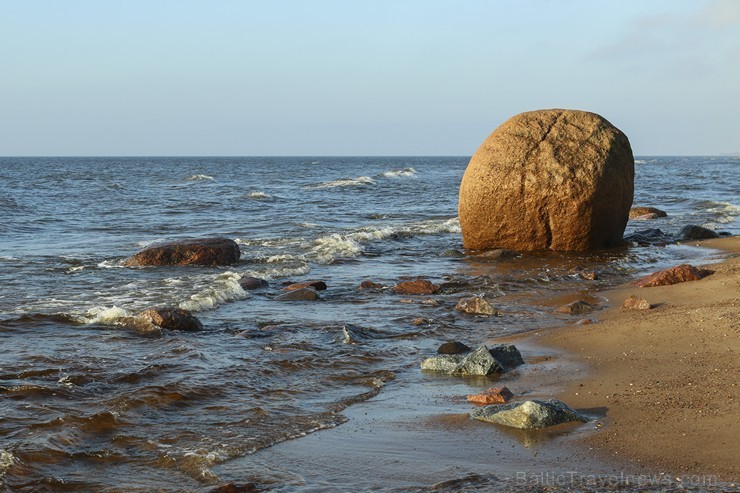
pixel 105 315
pixel 725 211
pixel 640 161
pixel 328 249
pixel 262 196
pixel 400 173
pixel 299 269
pixel 360 181
pixel 226 288
pixel 200 178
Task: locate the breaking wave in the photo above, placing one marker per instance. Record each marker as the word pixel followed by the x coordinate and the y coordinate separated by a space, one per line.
pixel 360 181
pixel 260 196
pixel 225 288
pixel 400 173
pixel 200 178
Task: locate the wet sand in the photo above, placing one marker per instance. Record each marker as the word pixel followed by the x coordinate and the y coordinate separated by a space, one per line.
pixel 667 378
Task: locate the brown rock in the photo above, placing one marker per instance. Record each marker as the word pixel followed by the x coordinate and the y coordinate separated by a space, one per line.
pixel 548 179
pixel 496 395
pixel 646 217
pixel 635 303
pixel 475 305
pixel 204 251
pixel 576 308
pixel 370 285
pixel 637 212
pixel 302 294
pixel 249 283
pixel 586 321
pixel 453 347
pixel 172 318
pixel 674 275
pixel 419 321
pixel 317 285
pixel 588 275
pixel 420 286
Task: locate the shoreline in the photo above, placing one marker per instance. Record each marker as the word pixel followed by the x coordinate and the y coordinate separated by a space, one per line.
pixel 666 378
pixel 417 435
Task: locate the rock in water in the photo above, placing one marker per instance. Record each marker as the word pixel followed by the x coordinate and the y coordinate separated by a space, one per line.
pixel 172 318
pixel 453 347
pixel 637 212
pixel 693 232
pixel 529 414
pixel 204 251
pixel 476 306
pixel 482 361
pixel 249 283
pixel 317 285
pixel 302 294
pixel 548 179
pixel 420 286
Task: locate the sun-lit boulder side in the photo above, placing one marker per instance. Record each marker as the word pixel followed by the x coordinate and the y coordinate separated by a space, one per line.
pixel 548 180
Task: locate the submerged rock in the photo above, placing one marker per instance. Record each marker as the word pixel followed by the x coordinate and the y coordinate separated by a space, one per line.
pixel 529 414
pixel 203 251
pixel 550 179
pixel 693 232
pixel 453 347
pixel 249 283
pixel 317 285
pixel 496 395
pixel 476 306
pixel 638 212
pixel 302 294
pixel 674 275
pixel 420 286
pixel 498 254
pixel 172 318
pixel 482 361
pixel 370 285
pixel 635 303
pixel 576 308
pixel 650 236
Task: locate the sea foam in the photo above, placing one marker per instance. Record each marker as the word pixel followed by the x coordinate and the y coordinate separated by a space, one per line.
pixel 225 288
pixel 400 173
pixel 345 182
pixel 200 178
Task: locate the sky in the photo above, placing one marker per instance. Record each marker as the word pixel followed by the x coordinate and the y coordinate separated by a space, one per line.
pixel 359 77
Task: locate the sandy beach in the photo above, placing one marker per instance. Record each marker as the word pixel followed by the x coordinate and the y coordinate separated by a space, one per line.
pixel 666 378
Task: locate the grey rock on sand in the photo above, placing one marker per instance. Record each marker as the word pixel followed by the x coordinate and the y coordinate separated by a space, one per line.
pixel 549 179
pixel 529 414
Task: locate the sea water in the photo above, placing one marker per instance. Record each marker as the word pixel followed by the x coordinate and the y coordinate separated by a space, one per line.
pixel 89 403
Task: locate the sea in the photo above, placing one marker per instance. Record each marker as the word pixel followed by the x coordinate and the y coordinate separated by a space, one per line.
pixel 90 403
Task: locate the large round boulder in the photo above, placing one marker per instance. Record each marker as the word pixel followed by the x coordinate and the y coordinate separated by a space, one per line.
pixel 549 179
pixel 203 251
